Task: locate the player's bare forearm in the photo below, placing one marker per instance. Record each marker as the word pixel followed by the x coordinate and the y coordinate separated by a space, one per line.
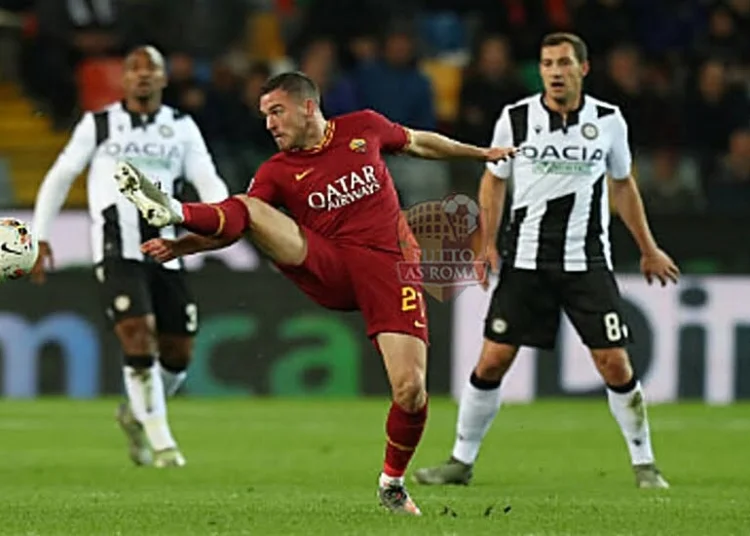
pixel 491 202
pixel 192 243
pixel 434 146
pixel 629 206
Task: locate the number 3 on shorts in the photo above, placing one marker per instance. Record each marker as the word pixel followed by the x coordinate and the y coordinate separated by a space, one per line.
pixel 191 314
pixel 411 299
pixel 613 329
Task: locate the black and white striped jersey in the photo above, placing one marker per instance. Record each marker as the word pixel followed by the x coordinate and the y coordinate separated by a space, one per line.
pixel 559 204
pixel 167 145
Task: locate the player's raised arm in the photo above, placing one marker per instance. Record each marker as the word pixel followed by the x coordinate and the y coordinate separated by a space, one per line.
pixel 200 169
pixel 55 187
pixel 434 146
pixel 655 263
pixel 431 145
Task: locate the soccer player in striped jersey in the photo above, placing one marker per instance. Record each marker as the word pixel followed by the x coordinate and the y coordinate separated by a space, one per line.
pixel 558 253
pixel 150 305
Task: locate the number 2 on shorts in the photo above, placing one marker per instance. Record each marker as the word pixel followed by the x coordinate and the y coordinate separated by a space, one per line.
pixel 411 300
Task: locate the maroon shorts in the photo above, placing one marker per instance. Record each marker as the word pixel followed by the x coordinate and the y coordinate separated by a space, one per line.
pixel 351 278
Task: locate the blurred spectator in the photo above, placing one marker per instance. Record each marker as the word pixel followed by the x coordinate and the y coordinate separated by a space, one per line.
pixel 337 90
pixel 395 87
pixel 69 32
pixel 342 21
pixel 204 29
pixel 490 84
pixel 363 48
pixel 668 183
pixel 665 27
pixel 728 191
pixel 181 69
pixel 741 11
pixel 252 144
pixel 712 113
pixel 525 22
pixel 601 38
pixel 642 92
pixel 13 14
pixel 723 39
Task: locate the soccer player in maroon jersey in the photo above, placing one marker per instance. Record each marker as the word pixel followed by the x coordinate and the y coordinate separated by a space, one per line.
pixel 342 243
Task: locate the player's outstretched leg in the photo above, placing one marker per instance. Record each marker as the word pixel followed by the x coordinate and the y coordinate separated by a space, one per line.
pixel 628 406
pixel 480 402
pixel 272 231
pixel 405 358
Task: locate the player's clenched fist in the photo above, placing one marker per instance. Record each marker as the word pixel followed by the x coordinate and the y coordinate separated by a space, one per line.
pixel 495 154
pixel 160 249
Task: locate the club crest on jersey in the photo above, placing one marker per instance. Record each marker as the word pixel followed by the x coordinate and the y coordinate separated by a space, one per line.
pixel 589 131
pixel 358 145
pixel 166 131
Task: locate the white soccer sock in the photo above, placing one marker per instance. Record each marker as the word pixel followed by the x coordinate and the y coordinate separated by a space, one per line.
pixel 476 411
pixel 629 410
pixel 384 480
pixel 146 394
pixel 171 380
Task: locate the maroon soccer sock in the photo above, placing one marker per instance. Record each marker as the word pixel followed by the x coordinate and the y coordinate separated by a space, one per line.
pixel 228 219
pixel 403 430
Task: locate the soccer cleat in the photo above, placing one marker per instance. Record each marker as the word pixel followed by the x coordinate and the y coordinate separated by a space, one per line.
pixel 647 476
pixel 169 458
pixel 395 498
pixel 138 447
pixel 451 472
pixel 154 205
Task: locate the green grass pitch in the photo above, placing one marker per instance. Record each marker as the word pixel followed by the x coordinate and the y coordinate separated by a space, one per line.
pixel 309 467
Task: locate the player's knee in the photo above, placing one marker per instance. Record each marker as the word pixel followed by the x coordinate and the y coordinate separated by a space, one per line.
pixel 175 352
pixel 409 391
pixel 613 365
pixel 495 361
pixel 137 335
pixel 255 207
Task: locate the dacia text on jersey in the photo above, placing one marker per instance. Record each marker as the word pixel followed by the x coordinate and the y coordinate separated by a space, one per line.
pixel 150 155
pixel 345 190
pixel 566 160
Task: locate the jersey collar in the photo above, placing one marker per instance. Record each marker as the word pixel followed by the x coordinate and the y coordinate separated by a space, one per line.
pixel 139 120
pixel 556 121
pixel 324 142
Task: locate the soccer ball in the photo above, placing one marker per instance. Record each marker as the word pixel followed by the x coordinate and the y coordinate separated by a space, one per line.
pixel 18 249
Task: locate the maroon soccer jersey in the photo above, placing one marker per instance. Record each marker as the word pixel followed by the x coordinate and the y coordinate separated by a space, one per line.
pixel 342 188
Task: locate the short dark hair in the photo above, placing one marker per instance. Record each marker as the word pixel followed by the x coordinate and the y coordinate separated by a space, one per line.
pixel 295 83
pixel 580 49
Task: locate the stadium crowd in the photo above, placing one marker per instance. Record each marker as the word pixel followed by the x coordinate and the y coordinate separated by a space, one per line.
pixel 679 69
